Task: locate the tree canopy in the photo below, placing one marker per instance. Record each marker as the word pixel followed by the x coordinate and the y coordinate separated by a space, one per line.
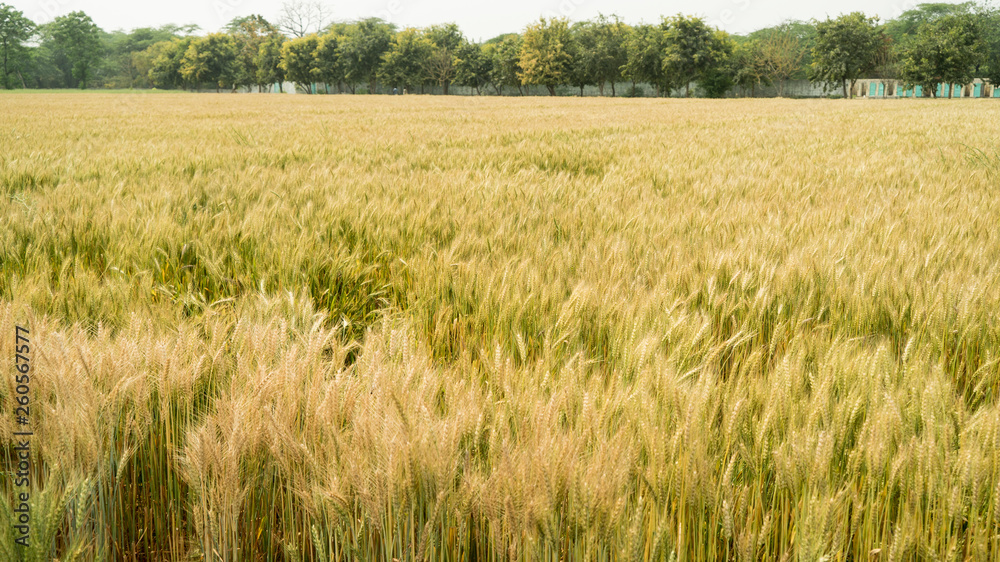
pixel 928 44
pixel 846 49
pixel 945 50
pixel 15 30
pixel 545 55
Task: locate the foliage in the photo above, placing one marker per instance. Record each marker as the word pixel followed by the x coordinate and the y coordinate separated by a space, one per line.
pixel 908 23
pixel 362 47
pixel 988 18
pixel 404 65
pixel 473 66
pixel 505 56
pixel 441 64
pixel 783 53
pixel 326 66
pixel 129 57
pixel 691 49
pixel 644 57
pixel 582 49
pixel 268 60
pixel 610 53
pixel 298 61
pixel 250 33
pixel 680 51
pixel 545 54
pixel 166 57
pixel 945 50
pixel 15 30
pixel 800 34
pixel 76 39
pixel 750 66
pixel 213 59
pixel 846 49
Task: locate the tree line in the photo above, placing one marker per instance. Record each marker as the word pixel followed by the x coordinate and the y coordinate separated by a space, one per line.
pixel 927 45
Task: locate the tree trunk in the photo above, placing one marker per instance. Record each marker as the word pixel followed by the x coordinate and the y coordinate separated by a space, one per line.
pixel 687 89
pixel 552 90
pixel 21 78
pixel 612 88
pixel 844 84
pixel 444 87
pixel 519 90
pixel 951 91
pixel 581 90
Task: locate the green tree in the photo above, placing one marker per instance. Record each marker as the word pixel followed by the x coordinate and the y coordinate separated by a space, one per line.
pixel 583 50
pixel 504 53
pixel 441 64
pixel 15 30
pixel 126 57
pixel 213 59
pixel 989 25
pixel 298 60
pixel 362 48
pixel 846 48
pixel 166 57
pixel 946 50
pixel 77 39
pixel 749 66
pixel 249 33
pixel 610 53
pixel 690 49
pixel 404 64
pixel 909 22
pixel 545 55
pixel 472 66
pixel 268 61
pixel 717 78
pixel 327 68
pixel 644 58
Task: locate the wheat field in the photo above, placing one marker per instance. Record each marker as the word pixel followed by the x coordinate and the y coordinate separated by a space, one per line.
pixel 342 328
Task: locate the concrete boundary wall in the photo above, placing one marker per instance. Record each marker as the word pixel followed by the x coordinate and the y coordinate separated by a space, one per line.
pixel 874 88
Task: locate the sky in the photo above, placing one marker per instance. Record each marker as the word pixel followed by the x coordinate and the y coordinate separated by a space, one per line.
pixel 478 20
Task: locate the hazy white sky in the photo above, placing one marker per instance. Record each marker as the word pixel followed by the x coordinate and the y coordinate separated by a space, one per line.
pixel 479 20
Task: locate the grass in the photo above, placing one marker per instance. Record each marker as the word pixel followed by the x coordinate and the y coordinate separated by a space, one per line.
pixel 430 328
